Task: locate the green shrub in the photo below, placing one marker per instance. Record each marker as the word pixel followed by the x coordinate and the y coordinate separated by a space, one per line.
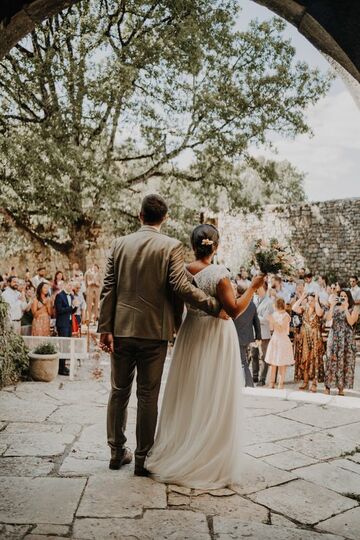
pixel 14 355
pixel 45 348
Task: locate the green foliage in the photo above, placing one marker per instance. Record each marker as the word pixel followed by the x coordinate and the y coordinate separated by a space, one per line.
pixel 14 360
pixel 110 99
pixel 45 348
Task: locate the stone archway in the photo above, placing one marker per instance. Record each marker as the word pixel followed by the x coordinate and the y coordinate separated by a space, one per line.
pixel 332 27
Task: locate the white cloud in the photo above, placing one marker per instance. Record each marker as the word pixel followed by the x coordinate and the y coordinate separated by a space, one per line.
pixel 331 158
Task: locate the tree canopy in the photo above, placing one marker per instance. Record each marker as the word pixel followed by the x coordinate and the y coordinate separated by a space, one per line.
pixel 109 99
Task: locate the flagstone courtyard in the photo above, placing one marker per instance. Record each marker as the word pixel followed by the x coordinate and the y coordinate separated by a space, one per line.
pixel 301 479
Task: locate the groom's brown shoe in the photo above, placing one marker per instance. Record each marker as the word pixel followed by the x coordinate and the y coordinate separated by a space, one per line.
pixel 123 458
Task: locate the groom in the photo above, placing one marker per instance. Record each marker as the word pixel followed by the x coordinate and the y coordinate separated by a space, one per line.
pixel 141 306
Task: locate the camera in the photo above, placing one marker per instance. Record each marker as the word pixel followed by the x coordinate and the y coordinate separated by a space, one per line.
pixel 340 300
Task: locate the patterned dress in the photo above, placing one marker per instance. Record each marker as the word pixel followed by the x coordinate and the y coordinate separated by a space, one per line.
pixel 41 321
pixel 341 353
pixel 309 349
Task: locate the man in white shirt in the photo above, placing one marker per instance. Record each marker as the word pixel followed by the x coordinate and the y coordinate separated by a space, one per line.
pixel 16 301
pixel 355 289
pixel 264 306
pixel 311 287
pixel 40 277
pixel 279 291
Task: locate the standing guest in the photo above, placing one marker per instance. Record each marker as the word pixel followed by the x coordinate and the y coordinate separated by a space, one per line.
pixel 16 300
pixel 79 303
pixel 311 287
pixel 242 279
pixel 279 353
pixel 264 307
pixel 93 282
pixel 278 290
pixel 27 317
pixel 75 271
pixel 302 273
pixel 39 277
pixel 41 309
pixel 248 328
pixel 64 309
pixel 309 347
pixel 13 271
pixel 58 283
pixel 341 347
pixel 355 290
pixel 323 294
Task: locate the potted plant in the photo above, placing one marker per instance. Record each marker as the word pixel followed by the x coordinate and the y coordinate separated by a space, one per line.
pixel 44 362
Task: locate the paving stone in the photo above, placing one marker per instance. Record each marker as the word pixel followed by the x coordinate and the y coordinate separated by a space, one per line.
pixel 39 444
pixel 264 449
pixel 179 489
pixel 3 448
pixel 320 446
pixel 221 492
pixel 347 524
pixel 120 497
pixel 174 499
pixel 37 427
pixel 159 524
pixel 271 404
pixel 13 532
pixel 47 537
pixel 67 392
pixel 355 457
pixel 322 417
pixel 14 409
pixel 303 501
pixel 84 414
pixel 273 428
pixel 289 460
pixel 92 443
pixel 331 477
pixel 281 521
pixel 39 500
pixel 351 432
pixel 85 467
pixel 25 466
pixel 234 529
pixel 257 475
pixel 234 506
pixel 347 464
pixel 49 528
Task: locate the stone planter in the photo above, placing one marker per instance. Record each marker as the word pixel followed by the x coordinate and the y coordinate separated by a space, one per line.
pixel 44 367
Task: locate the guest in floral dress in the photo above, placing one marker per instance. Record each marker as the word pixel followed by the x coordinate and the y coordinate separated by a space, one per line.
pixel 309 347
pixel 41 309
pixel 341 349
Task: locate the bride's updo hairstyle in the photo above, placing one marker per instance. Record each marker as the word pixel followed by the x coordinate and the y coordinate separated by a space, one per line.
pixel 204 240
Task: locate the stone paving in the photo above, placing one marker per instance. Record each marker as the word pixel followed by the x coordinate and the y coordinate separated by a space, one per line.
pixel 301 479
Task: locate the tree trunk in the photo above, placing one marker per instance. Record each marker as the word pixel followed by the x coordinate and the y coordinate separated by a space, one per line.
pixel 79 248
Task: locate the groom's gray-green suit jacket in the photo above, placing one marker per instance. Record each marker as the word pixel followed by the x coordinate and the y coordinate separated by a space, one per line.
pixel 144 281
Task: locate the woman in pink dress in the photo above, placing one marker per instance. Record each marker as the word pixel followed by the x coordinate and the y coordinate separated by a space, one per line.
pixel 279 353
pixel 41 310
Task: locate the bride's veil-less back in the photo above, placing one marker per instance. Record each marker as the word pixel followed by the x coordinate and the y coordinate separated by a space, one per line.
pixel 198 442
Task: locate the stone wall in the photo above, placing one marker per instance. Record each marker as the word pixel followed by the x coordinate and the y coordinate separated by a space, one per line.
pixel 324 235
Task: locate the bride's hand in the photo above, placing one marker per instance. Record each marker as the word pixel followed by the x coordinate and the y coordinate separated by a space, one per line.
pixel 223 315
pixel 257 281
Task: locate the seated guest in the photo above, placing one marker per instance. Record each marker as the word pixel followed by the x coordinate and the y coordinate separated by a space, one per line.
pixel 64 309
pixel 247 324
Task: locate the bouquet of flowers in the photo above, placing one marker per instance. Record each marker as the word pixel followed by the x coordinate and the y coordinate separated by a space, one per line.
pixel 272 258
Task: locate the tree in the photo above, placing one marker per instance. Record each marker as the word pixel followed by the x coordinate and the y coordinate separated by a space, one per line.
pixel 109 98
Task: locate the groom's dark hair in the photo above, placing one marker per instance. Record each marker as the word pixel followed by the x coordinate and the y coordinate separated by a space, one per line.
pixel 153 210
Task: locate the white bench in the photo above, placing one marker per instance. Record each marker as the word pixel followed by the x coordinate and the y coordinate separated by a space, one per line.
pixel 69 348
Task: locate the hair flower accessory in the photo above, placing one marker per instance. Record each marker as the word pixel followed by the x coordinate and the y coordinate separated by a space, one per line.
pixel 207 242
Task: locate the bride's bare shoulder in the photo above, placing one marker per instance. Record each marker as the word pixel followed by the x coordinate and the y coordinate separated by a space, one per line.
pixel 194 267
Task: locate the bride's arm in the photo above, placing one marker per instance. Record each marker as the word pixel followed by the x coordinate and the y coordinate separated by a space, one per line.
pixel 225 293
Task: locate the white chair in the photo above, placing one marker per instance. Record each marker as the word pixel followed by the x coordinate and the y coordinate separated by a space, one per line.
pixel 70 348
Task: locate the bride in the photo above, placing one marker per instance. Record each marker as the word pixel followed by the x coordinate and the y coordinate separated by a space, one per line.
pixel 199 436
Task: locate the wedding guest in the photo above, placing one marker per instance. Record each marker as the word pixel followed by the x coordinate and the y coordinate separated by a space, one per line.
pixel 341 347
pixel 279 353
pixel 355 289
pixel 75 271
pixel 27 317
pixel 311 287
pixel 39 277
pixel 17 302
pixel 248 328
pixel 41 309
pixel 309 347
pixel 278 290
pixel 242 279
pixel 58 283
pixel 264 307
pixel 323 294
pixel 93 282
pixel 64 309
pixel 79 303
pixel 301 274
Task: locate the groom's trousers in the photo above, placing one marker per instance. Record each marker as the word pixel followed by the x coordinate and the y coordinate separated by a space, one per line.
pixel 147 356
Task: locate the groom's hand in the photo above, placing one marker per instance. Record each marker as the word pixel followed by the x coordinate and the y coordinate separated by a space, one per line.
pixel 107 342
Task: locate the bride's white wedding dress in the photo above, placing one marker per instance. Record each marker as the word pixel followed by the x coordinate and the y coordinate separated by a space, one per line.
pixel 198 440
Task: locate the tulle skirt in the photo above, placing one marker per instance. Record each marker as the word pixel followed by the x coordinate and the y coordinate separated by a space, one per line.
pixel 199 436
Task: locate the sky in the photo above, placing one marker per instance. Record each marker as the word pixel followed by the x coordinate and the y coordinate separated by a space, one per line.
pixel 331 158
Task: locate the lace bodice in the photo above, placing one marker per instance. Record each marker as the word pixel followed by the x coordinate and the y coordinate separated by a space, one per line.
pixel 208 278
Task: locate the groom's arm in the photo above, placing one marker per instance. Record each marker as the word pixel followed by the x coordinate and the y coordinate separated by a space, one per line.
pixel 108 297
pixel 181 286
